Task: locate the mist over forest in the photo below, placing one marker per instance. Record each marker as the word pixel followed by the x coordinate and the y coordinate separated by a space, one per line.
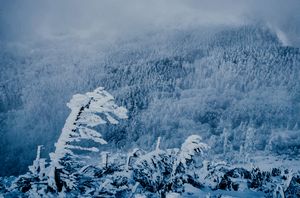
pixel 228 71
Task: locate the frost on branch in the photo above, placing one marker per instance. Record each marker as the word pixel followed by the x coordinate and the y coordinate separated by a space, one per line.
pixel 87 111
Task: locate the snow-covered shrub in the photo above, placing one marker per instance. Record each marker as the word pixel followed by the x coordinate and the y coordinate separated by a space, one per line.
pixel 161 171
pixel 38 169
pixel 133 156
pixel 274 183
pixel 34 182
pixel 154 171
pixel 212 173
pixel 293 190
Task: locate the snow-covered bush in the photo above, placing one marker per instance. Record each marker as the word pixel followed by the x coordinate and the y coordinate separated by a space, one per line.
pixel 276 182
pixel 34 182
pixel 161 171
pixel 154 171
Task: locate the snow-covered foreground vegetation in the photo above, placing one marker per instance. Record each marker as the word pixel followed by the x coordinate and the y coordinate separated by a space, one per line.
pixel 178 172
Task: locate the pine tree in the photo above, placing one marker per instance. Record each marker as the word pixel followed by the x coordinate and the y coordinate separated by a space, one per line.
pixel 87 111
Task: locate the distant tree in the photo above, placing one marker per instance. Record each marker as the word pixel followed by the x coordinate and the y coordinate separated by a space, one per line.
pixel 87 111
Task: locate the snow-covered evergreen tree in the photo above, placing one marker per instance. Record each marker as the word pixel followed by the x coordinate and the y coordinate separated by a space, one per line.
pixel 87 111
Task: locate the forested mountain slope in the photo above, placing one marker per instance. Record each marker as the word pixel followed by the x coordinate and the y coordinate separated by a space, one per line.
pixel 237 87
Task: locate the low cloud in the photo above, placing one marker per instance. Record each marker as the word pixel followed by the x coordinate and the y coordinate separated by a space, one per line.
pixel 116 18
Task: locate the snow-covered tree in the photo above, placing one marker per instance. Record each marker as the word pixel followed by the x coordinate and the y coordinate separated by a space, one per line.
pixel 226 142
pixel 87 111
pixel 192 146
pixel 249 142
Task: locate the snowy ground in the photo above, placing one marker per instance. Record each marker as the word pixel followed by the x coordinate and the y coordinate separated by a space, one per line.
pixel 192 192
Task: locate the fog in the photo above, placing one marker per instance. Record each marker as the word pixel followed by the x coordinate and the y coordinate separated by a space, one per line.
pixel 113 19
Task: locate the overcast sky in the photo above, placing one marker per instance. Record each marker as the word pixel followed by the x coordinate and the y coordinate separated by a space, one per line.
pixel 114 18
